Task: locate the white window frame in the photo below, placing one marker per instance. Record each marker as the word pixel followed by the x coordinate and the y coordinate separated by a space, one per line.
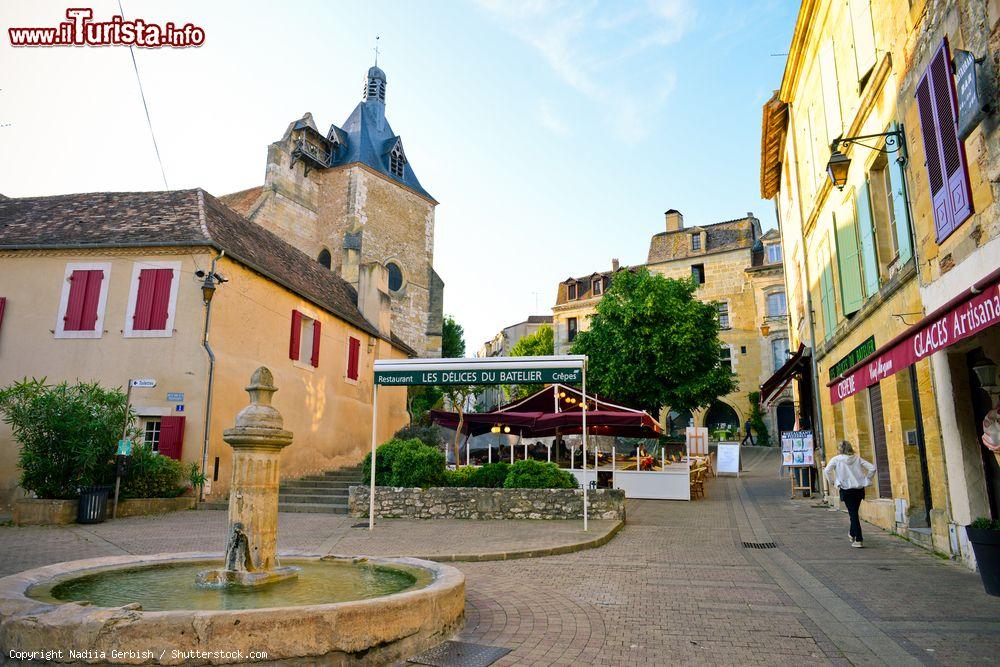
pixel 597 286
pixel 102 301
pixel 767 303
pixel 788 350
pixel 767 252
pixel 133 294
pixel 305 340
pixel 729 315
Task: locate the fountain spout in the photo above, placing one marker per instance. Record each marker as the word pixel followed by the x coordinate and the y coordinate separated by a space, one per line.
pixel 257 440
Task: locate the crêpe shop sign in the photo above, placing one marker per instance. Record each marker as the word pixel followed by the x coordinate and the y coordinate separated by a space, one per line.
pixel 478 376
pixel 966 319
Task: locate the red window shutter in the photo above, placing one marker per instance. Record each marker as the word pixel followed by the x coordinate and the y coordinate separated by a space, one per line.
pixel 314 359
pixel 353 355
pixel 172 436
pixel 152 299
pixel 84 295
pixel 951 198
pixel 296 336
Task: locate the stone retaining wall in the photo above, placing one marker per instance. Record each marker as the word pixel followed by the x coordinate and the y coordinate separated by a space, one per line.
pixel 41 512
pixel 468 503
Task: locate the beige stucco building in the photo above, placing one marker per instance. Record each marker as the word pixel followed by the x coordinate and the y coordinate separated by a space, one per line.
pixel 890 254
pixel 108 286
pixel 737 267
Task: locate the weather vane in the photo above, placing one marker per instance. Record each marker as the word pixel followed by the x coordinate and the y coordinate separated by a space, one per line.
pixel 376 50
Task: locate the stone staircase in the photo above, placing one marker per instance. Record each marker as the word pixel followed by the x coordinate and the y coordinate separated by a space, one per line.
pixel 326 492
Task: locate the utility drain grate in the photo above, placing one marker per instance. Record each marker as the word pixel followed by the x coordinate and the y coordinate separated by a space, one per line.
pixel 760 545
pixel 363 524
pixel 460 654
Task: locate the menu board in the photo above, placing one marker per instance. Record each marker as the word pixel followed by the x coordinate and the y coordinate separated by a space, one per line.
pixel 797 448
pixel 728 460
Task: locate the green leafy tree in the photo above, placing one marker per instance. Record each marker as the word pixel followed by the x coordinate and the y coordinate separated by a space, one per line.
pixel 651 344
pixel 539 344
pixel 452 338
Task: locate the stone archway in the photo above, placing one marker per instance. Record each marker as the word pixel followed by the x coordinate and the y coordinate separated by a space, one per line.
pixel 722 415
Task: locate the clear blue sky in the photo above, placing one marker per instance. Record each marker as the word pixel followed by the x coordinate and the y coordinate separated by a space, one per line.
pixel 554 134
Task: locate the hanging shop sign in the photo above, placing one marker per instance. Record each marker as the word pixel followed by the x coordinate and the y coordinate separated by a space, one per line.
pixel 973 99
pixel 479 376
pixel 962 321
pixel 853 358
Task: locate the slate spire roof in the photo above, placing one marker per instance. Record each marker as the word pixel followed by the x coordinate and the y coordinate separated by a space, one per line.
pixel 366 136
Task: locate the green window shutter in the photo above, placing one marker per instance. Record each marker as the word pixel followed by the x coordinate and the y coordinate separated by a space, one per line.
pixel 902 212
pixel 849 263
pixel 828 301
pixel 866 232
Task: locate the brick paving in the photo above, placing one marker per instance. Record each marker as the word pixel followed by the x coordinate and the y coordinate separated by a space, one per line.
pixel 674 587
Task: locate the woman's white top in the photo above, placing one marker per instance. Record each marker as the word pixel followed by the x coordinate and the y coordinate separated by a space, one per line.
pixel 852 472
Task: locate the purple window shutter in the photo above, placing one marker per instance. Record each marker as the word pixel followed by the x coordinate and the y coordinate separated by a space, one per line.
pixel 932 151
pixel 956 172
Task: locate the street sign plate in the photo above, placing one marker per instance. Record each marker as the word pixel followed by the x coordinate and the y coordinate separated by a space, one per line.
pixel 175 396
pixel 144 383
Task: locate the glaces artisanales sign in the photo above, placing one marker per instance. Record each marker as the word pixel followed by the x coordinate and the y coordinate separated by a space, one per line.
pixel 967 319
pixel 479 376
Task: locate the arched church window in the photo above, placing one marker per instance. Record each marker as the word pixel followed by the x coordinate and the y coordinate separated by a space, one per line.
pixel 395 276
pixel 324 258
pixel 397 161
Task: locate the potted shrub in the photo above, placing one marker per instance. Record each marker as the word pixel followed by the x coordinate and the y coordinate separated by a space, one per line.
pixel 984 535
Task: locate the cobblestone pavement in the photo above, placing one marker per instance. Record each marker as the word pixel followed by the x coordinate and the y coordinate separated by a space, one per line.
pixel 675 586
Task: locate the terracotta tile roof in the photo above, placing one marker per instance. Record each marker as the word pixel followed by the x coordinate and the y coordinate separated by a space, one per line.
pixel 242 201
pixel 176 218
pixel 720 237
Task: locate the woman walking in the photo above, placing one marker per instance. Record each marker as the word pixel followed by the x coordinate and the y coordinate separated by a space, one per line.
pixel 853 474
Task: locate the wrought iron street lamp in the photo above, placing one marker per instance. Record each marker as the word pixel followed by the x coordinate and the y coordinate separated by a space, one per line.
pixel 840 164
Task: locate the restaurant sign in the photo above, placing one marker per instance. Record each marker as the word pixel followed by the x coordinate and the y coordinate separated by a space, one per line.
pixel 479 376
pixel 853 358
pixel 968 319
pixel 972 101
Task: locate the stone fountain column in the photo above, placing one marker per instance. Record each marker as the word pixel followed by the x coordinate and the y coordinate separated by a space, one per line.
pixel 257 440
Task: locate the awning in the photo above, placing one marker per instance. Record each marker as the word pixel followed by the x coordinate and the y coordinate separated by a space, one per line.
pixel 776 384
pixel 966 315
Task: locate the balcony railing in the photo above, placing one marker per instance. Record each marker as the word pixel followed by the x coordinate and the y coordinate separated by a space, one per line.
pixel 310 153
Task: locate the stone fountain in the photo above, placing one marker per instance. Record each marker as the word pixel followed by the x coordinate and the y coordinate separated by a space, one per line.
pixel 257 440
pixel 163 608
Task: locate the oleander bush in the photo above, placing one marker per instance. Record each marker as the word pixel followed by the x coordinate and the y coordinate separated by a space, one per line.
pixel 150 475
pixel 68 434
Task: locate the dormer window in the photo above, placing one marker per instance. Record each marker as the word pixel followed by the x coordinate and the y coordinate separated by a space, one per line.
pixel 397 160
pixel 571 291
pixel 597 286
pixel 696 242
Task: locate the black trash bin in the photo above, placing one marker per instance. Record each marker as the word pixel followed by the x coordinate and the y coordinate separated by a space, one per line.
pixel 93 507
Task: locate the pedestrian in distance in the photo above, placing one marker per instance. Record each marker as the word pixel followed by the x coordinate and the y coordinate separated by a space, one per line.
pixel 852 475
pixel 748 430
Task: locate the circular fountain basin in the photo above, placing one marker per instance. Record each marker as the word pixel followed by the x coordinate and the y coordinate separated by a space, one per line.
pixel 149 610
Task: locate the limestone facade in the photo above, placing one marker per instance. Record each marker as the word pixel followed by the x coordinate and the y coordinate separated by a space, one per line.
pixel 869 261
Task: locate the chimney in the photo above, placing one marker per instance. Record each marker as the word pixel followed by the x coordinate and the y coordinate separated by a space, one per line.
pixel 675 220
pixel 614 264
pixel 373 296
